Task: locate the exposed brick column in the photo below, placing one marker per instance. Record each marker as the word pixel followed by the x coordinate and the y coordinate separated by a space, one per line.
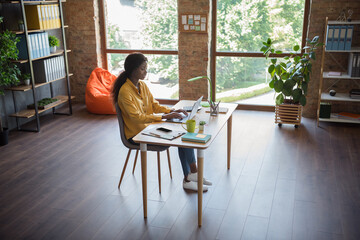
pixel 83 39
pixel 320 9
pixel 193 53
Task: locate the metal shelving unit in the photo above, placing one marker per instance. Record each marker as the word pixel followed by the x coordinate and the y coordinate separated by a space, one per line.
pixel 35 113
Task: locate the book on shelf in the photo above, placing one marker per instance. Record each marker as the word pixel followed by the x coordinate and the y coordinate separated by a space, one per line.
pixel 196 137
pixel 348 115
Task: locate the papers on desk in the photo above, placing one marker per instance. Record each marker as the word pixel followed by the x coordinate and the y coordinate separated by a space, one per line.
pixel 164 135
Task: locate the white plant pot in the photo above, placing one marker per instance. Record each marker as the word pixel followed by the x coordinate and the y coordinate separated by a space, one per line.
pixel 201 128
pixel 27 82
pixel 53 49
pixel 21 27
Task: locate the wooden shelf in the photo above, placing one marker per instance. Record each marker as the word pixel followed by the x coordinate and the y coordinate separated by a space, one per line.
pixel 353 49
pixel 339 97
pixel 343 23
pixel 28 113
pixel 57 53
pixel 25 88
pixel 344 75
pixel 334 118
pixel 37 30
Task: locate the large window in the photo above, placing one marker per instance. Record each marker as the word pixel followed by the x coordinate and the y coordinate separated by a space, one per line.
pixel 241 27
pixel 149 27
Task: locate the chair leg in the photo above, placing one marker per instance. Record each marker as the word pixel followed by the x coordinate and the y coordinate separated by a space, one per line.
pixel 124 168
pixel 159 171
pixel 168 154
pixel 137 152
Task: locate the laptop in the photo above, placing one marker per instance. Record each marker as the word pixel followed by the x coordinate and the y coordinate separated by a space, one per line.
pixel 189 116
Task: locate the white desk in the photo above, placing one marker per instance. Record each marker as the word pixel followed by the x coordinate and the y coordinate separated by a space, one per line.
pixel 213 127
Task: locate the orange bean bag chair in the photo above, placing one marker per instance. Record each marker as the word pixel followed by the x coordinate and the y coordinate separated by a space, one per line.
pixel 98 92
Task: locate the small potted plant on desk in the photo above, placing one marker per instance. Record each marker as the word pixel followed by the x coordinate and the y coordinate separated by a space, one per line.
pixel 202 126
pixel 9 72
pixel 53 43
pixel 290 78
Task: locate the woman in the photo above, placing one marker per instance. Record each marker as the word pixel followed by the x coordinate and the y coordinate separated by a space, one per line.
pixel 138 107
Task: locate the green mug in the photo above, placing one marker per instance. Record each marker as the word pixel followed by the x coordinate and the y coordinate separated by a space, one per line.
pixel 190 125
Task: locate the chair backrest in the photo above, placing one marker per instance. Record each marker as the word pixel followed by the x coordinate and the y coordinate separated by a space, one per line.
pixel 122 130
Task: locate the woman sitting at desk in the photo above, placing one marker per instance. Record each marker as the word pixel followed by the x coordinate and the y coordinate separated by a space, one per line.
pixel 138 107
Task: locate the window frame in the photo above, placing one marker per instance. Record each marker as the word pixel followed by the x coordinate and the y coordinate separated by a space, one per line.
pixel 106 50
pixel 214 54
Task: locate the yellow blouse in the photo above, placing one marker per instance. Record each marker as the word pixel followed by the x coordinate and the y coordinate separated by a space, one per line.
pixel 138 107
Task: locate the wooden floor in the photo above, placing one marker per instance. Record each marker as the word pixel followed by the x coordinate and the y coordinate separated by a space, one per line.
pixel 284 183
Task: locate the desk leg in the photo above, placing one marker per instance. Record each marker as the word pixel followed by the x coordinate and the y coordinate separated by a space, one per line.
pixel 200 159
pixel 229 127
pixel 143 149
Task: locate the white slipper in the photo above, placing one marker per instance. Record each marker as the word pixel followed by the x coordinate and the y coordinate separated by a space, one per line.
pixel 193 186
pixel 194 177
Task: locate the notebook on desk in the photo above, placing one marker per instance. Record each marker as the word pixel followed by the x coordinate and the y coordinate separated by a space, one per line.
pixel 190 116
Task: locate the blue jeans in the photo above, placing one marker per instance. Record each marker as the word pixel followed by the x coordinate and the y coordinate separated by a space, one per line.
pixel 186 155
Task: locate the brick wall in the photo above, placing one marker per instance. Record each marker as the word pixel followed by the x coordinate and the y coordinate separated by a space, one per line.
pixel 320 9
pixel 193 53
pixel 83 39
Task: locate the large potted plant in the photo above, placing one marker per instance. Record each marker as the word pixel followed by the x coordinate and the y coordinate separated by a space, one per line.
pixel 290 77
pixel 9 72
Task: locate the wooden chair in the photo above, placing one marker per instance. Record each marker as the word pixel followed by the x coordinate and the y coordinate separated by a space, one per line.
pixel 131 147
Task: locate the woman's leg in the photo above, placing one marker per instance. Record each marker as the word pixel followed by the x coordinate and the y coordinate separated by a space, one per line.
pixel 188 161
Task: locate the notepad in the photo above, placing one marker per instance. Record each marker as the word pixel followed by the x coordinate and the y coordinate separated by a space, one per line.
pixel 196 137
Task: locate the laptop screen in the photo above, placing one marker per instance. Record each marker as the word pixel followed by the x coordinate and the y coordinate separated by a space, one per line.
pixel 195 108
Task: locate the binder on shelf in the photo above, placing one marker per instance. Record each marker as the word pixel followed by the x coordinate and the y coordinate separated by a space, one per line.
pixel 357 71
pixel 39 71
pixel 352 64
pixel 52 13
pixel 335 43
pixel 329 37
pixel 348 39
pixel 34 17
pixel 342 38
pixel 57 14
pixel 21 46
pixel 41 44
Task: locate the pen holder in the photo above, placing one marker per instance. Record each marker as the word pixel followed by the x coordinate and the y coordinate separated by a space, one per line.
pixel 214 108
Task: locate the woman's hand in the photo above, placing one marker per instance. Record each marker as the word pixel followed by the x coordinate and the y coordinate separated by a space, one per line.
pixel 179 113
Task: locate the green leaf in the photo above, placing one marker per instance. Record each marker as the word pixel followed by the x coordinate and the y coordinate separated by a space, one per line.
pixel 268 41
pixel 297 93
pixel 278 52
pixel 296 48
pixel 271 83
pixel 279 99
pixel 304 87
pixel 297 59
pixel 263 49
pixel 312 55
pixel 278 69
pixel 273 60
pixel 302 100
pixel 278 85
pixel 271 68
